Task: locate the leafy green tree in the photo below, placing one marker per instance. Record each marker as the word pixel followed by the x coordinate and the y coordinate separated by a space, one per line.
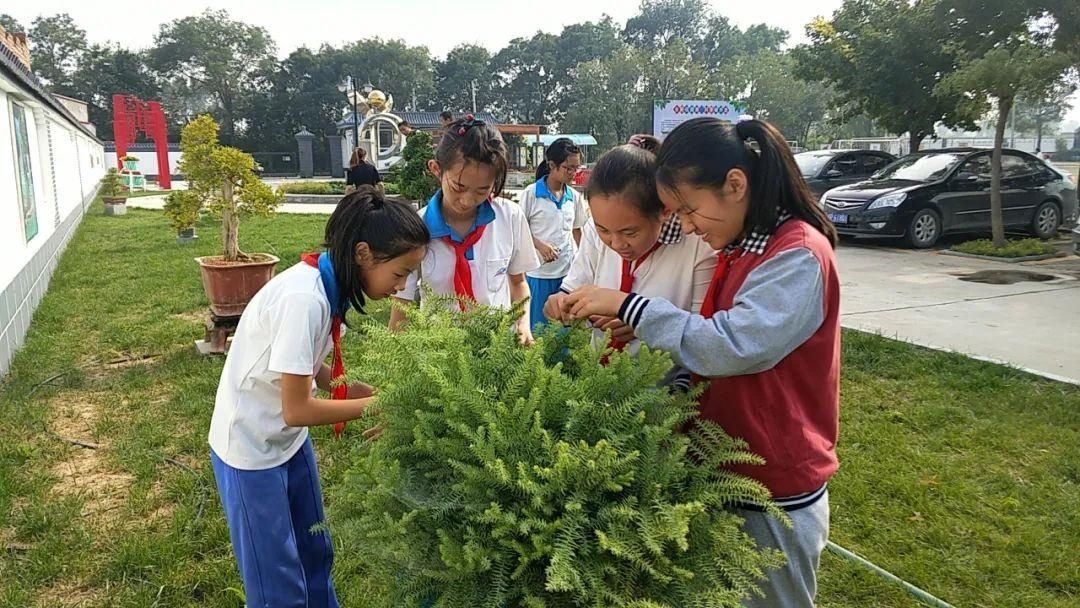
pixel 464 66
pixel 57 44
pixel 884 58
pixel 214 57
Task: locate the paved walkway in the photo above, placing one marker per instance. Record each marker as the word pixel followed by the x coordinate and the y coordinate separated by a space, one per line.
pixel 918 297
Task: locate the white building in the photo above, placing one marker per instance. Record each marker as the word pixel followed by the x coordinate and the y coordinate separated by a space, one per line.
pixel 50 165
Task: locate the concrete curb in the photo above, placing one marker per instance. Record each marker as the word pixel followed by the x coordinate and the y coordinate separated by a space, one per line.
pixel 990 258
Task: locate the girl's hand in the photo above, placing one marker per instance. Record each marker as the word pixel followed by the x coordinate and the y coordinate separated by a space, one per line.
pixel 619 330
pixel 359 390
pixel 546 251
pixel 553 308
pixel 525 337
pixel 591 300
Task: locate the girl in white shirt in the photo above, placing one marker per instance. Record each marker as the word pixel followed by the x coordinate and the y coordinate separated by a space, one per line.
pixel 633 244
pixel 556 215
pixel 261 453
pixel 480 245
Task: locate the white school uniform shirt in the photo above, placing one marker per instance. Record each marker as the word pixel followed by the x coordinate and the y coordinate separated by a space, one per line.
pixel 284 330
pixel 679 272
pixel 553 219
pixel 505 248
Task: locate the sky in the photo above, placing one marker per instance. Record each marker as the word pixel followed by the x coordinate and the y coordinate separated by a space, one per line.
pixel 438 24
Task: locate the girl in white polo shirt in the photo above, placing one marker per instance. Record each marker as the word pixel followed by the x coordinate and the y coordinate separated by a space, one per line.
pixel 556 215
pixel 632 244
pixel 480 245
pixel 262 456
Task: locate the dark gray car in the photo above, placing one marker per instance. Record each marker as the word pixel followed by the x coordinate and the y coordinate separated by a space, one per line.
pixel 828 169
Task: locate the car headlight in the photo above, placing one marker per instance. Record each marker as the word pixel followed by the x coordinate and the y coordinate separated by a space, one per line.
pixel 890 200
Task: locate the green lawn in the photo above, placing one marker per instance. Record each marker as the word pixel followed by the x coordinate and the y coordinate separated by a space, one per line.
pixel 958 476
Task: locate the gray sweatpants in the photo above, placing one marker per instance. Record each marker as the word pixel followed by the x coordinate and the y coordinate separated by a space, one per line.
pixel 793 585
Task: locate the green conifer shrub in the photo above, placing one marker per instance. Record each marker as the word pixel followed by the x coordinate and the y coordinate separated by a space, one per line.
pixel 509 477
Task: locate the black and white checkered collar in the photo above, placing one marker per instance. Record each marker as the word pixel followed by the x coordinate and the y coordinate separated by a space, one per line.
pixel 671 232
pixel 755 242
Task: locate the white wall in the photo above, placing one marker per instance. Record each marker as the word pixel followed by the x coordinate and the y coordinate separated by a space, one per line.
pixel 147 161
pixel 66 165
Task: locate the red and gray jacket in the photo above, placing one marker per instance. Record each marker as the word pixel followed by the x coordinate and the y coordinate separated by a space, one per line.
pixel 771 352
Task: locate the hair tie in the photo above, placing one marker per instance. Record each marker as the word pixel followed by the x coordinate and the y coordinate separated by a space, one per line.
pixel 467 123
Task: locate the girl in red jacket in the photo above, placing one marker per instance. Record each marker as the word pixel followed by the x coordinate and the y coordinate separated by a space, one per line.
pixel 767 337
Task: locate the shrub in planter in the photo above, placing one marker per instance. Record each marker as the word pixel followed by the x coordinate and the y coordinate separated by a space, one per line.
pixel 509 477
pixel 113 193
pixel 182 208
pixel 224 181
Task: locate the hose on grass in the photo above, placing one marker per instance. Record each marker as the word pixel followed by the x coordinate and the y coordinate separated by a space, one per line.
pixel 922 596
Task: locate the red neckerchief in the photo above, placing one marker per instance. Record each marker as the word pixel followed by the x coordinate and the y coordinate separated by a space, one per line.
pixel 338 388
pixel 626 283
pixel 462 273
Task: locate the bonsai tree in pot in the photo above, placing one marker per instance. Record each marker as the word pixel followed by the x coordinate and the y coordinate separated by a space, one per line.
pixel 113 193
pixel 223 180
pixel 183 208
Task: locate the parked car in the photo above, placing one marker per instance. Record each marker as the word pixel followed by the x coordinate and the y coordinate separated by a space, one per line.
pixel 925 195
pixel 827 169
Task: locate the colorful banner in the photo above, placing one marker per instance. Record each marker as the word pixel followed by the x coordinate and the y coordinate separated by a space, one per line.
pixel 670 113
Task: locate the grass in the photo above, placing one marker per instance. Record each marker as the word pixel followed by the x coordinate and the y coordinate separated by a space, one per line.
pixel 1016 248
pixel 957 475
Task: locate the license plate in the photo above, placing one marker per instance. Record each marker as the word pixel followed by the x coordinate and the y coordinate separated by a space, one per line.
pixel 838 218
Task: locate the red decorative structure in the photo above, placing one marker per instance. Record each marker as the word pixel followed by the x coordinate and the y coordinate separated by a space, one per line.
pixel 131 115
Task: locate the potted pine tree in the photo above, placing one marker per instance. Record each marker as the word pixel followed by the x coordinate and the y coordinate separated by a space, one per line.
pixel 183 207
pixel 223 180
pixel 113 193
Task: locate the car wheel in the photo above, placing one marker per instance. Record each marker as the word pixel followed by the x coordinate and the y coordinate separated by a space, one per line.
pixel 1046 221
pixel 924 230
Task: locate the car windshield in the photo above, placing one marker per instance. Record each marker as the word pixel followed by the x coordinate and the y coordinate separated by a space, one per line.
pixel 920 167
pixel 810 163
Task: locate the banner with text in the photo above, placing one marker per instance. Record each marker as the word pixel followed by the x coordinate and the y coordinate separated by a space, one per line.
pixel 670 113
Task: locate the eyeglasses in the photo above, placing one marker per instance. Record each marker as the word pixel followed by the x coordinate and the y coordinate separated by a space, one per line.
pixel 572 168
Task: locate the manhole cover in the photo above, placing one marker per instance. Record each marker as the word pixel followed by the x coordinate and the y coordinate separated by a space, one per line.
pixel 1006 277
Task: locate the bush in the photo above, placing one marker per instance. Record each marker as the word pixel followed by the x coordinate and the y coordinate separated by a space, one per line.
pixel 312 188
pixel 182 208
pixel 1013 249
pixel 411 175
pixel 112 186
pixel 508 476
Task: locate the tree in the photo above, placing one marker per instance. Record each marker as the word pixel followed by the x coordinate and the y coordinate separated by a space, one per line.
pixel 390 65
pixel 415 181
pixel 1027 50
pixel 884 59
pixel 607 99
pixel 11 24
pixel 56 49
pixel 775 94
pixel 659 22
pixel 224 180
pixel 211 55
pixel 454 77
pixel 1000 75
pixel 107 69
pixel 527 77
pixel 1035 113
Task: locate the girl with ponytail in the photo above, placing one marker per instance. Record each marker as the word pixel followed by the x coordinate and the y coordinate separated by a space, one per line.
pixel 556 214
pixel 261 453
pixel 767 336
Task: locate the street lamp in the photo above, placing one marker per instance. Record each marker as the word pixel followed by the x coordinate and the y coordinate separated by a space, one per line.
pixel 348 89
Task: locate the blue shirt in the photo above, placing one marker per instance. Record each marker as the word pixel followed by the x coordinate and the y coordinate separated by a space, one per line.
pixel 437 226
pixel 542 191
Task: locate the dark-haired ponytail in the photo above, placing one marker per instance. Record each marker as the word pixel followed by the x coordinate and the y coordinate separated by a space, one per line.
pixel 390 228
pixel 701 152
pixel 559 150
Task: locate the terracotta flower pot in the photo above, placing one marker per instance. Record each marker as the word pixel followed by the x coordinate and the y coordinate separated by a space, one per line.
pixel 230 285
